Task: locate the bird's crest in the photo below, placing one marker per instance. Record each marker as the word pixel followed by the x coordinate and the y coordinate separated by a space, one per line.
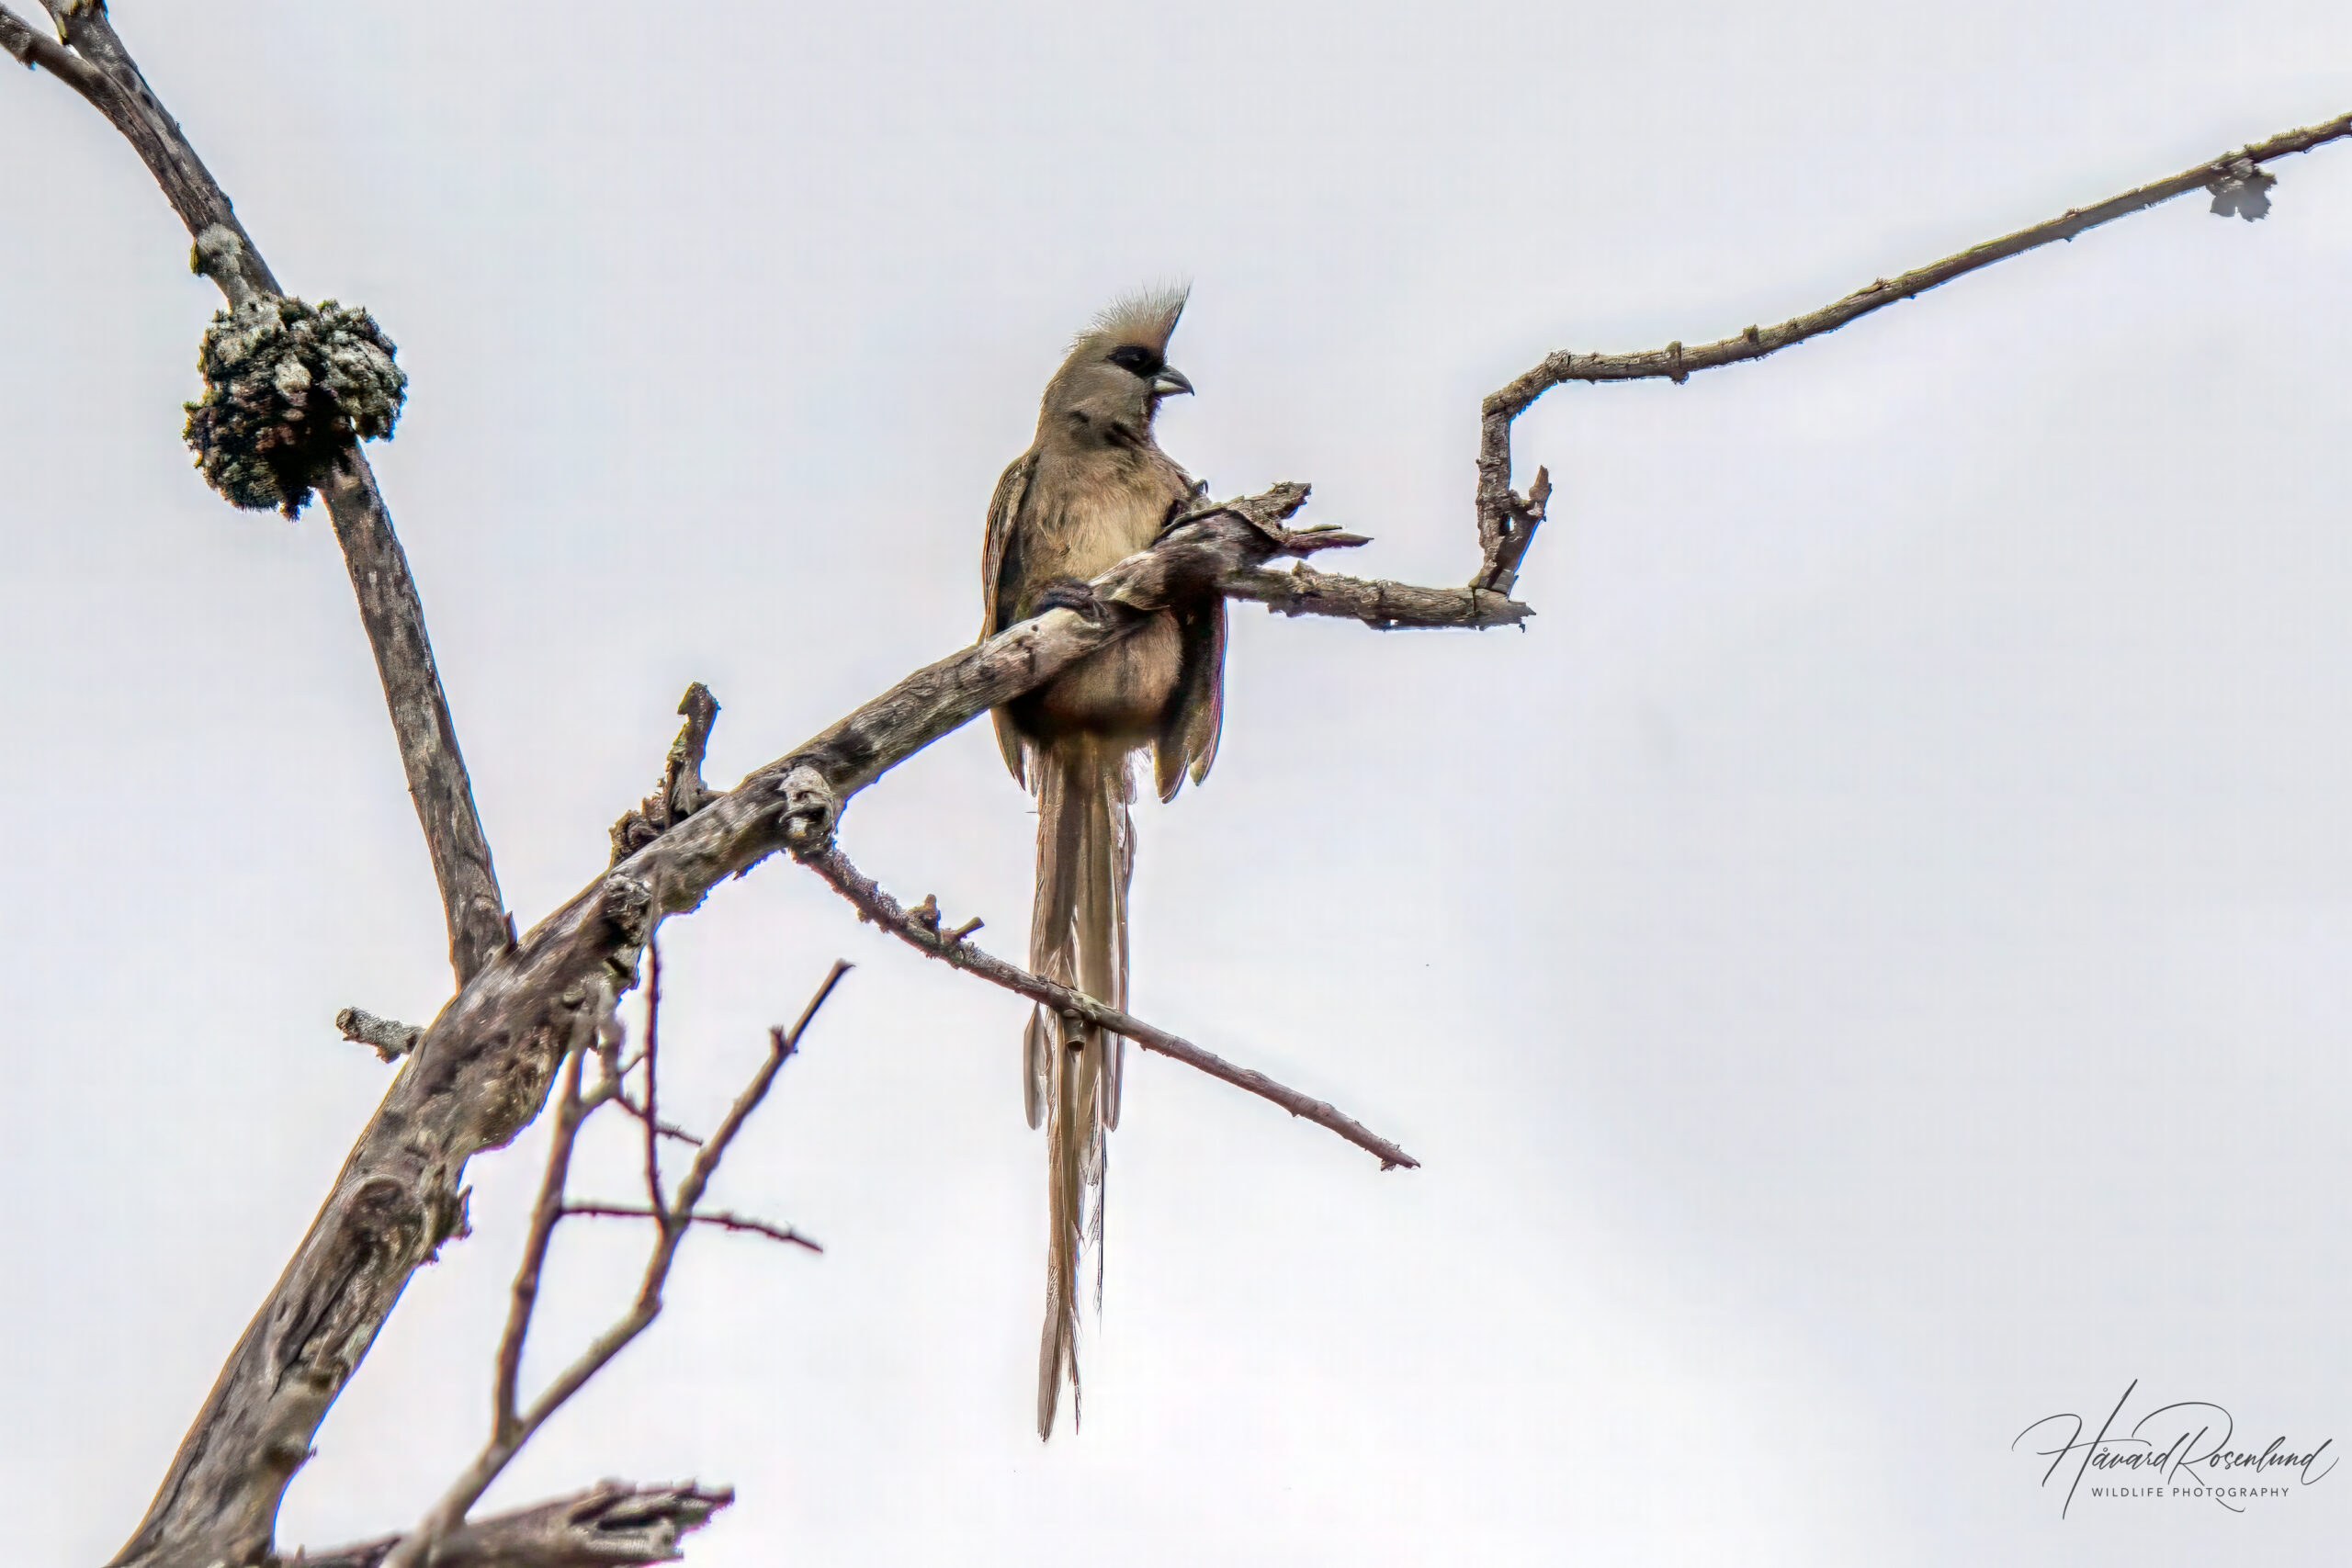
pixel 1145 319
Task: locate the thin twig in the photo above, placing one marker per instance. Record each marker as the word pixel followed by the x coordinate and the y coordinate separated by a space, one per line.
pixel 670 1130
pixel 884 911
pixel 1675 362
pixel 782 1043
pixel 505 1418
pixel 652 1117
pixel 723 1218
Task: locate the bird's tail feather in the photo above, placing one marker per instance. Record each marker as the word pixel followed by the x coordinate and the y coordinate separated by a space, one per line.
pixel 1077 937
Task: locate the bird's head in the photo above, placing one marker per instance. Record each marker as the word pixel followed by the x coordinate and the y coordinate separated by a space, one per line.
pixel 1108 390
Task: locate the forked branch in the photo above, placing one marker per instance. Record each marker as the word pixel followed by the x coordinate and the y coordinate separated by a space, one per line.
pixel 512 1423
pixel 1507 520
pixel 919 929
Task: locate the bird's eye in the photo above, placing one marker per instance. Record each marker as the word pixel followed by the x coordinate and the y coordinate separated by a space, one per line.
pixel 1141 361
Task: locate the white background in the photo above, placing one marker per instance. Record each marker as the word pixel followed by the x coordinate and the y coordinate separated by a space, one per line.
pixel 1866 970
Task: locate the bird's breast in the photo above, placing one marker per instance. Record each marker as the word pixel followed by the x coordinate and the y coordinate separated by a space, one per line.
pixel 1092 516
pixel 1085 517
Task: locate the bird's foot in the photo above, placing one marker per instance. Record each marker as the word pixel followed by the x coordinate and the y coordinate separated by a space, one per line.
pixel 1070 593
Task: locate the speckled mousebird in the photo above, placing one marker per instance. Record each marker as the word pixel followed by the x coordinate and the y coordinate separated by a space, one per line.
pixel 1094 487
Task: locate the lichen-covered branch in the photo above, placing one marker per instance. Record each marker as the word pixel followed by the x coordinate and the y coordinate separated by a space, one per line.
pixel 919 930
pixel 93 61
pixel 611 1525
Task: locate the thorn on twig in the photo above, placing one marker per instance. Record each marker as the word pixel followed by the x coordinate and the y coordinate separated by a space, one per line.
pixel 967 928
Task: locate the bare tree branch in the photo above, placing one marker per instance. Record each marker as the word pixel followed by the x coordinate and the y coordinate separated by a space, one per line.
pixel 472 907
pixel 1674 362
pixel 653 1053
pixel 782 1043
pixel 924 935
pixel 102 71
pixel 505 1419
pixel 512 1428
pixel 1384 607
pixel 1507 522
pixel 485 1064
pixel 111 82
pixel 611 1525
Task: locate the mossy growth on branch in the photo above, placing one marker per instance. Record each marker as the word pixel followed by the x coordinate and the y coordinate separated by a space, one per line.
pixel 287 386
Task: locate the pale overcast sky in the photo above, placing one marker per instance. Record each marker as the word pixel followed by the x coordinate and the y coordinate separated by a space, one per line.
pixel 1865 971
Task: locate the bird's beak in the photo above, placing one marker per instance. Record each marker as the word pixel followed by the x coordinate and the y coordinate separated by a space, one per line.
pixel 1168 382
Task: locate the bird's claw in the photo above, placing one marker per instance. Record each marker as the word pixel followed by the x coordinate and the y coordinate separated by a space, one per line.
pixel 1070 593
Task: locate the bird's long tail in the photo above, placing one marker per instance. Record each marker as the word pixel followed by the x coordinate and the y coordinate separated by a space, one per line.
pixel 1079 937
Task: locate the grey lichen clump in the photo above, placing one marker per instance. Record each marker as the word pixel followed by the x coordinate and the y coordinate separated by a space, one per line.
pixel 287 386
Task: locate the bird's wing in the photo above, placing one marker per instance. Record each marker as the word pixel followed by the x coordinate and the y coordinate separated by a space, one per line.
pixel 1188 731
pixel 1004 507
pixel 1188 735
